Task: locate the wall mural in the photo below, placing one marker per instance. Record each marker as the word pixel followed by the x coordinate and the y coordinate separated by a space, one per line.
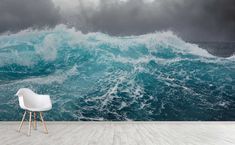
pixel 101 75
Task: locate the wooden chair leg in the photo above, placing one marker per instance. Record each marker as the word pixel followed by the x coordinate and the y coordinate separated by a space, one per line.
pixel 30 119
pixel 22 121
pixel 35 121
pixel 44 124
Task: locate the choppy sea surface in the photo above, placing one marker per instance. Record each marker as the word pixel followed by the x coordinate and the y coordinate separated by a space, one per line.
pixel 95 76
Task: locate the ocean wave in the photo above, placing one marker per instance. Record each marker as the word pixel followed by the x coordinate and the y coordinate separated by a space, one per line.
pixel 96 76
pixel 45 44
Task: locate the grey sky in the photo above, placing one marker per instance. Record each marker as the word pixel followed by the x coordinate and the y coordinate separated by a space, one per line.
pixel 193 20
pixel 16 15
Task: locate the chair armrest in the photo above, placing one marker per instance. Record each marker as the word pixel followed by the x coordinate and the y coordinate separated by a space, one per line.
pixel 45 100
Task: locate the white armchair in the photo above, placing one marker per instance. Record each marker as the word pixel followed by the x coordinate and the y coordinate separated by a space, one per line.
pixel 32 102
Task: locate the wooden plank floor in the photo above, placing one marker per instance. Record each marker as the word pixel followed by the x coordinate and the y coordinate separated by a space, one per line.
pixel 121 133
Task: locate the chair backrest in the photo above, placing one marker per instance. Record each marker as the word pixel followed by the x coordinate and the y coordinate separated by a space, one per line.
pixel 30 99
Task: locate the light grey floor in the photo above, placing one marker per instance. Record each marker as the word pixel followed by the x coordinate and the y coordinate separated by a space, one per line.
pixel 121 133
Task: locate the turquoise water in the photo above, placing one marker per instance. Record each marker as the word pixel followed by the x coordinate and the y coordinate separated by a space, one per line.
pixel 95 76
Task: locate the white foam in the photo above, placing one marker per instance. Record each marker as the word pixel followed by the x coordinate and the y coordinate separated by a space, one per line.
pixel 48 48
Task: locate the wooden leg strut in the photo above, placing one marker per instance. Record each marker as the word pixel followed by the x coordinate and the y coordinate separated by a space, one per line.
pixel 22 121
pixel 30 120
pixel 44 124
pixel 35 121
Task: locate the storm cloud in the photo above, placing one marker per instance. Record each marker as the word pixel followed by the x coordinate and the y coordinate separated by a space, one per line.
pixel 16 15
pixel 193 20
